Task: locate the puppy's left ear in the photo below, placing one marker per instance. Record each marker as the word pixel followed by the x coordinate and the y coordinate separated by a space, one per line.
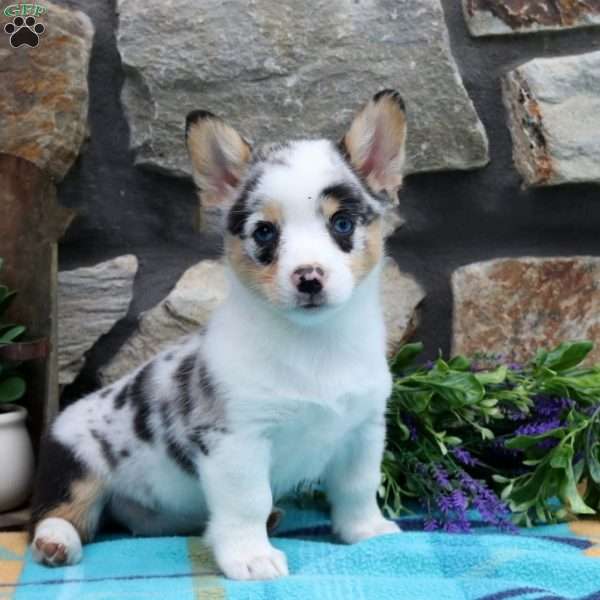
pixel 376 140
pixel 220 157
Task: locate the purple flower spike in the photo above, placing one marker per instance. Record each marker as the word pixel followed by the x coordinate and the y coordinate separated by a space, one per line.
pixel 445 504
pixel 459 501
pixel 551 407
pixel 431 525
pixel 538 428
pixel 492 510
pixel 465 457
pixel 441 477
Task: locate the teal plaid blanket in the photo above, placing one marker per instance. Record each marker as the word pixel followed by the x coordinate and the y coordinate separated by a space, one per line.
pixel 549 563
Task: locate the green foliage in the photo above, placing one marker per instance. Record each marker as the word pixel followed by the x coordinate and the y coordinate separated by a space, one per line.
pixel 12 386
pixel 531 432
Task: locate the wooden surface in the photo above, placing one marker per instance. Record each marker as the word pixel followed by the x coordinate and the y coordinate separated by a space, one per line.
pixel 31 222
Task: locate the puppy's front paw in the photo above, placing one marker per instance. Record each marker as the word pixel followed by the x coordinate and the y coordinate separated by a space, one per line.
pixel 261 562
pixel 56 543
pixel 351 533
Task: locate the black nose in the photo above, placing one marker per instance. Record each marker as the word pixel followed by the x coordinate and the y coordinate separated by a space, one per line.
pixel 309 279
pixel 310 286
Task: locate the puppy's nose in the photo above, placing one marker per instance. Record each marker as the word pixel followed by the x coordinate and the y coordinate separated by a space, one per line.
pixel 309 279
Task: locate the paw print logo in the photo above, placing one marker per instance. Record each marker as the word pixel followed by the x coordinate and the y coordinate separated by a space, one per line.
pixel 24 32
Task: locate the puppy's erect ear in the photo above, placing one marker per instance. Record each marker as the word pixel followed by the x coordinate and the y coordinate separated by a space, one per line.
pixel 375 142
pixel 219 156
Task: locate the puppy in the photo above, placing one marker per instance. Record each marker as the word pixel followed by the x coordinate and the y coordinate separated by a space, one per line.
pixel 288 382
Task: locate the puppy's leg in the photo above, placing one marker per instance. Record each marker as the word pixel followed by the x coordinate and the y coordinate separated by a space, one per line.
pixel 67 504
pixel 236 483
pixel 351 482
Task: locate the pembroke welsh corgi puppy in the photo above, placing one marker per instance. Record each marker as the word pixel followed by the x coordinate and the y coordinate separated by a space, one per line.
pixel 287 384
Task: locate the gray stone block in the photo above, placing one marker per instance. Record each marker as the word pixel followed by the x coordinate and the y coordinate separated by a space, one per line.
pixel 501 17
pixel 554 119
pixel 90 301
pixel 280 70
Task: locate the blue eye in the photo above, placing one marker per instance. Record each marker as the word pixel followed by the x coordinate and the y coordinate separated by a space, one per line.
pixel 342 224
pixel 264 234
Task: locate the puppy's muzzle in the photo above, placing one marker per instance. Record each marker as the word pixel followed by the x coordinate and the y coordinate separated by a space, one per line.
pixel 309 280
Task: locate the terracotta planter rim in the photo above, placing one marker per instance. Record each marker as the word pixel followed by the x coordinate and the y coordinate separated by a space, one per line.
pixel 25 350
pixel 15 414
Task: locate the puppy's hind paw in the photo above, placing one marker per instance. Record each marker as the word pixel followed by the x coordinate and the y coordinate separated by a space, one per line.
pixel 56 543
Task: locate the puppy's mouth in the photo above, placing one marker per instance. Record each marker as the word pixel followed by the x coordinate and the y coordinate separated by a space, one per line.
pixel 313 302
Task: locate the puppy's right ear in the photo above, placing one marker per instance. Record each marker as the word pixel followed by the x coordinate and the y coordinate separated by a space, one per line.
pixel 220 157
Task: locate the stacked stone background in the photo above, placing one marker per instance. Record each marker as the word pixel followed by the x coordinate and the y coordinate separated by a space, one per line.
pixel 481 81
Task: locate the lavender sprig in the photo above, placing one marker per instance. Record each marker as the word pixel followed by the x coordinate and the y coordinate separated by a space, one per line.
pixel 474 427
pixel 538 427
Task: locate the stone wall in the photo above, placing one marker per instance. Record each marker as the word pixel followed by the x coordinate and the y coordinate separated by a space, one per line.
pixel 476 93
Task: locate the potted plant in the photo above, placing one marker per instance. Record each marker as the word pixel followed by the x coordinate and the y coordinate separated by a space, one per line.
pixel 17 469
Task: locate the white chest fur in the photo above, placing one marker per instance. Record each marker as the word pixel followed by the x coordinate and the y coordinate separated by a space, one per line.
pixel 304 387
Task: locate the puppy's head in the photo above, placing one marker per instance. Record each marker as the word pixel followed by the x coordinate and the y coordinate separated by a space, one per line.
pixel 303 222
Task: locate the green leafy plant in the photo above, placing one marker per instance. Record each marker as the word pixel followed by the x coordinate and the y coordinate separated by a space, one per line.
pixel 12 386
pixel 517 443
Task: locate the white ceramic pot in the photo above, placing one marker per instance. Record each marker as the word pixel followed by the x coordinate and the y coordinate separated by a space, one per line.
pixel 16 457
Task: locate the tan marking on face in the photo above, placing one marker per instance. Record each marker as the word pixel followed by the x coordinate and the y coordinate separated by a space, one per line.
pixel 271 212
pixel 329 206
pixel 84 494
pixel 364 260
pixel 260 278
